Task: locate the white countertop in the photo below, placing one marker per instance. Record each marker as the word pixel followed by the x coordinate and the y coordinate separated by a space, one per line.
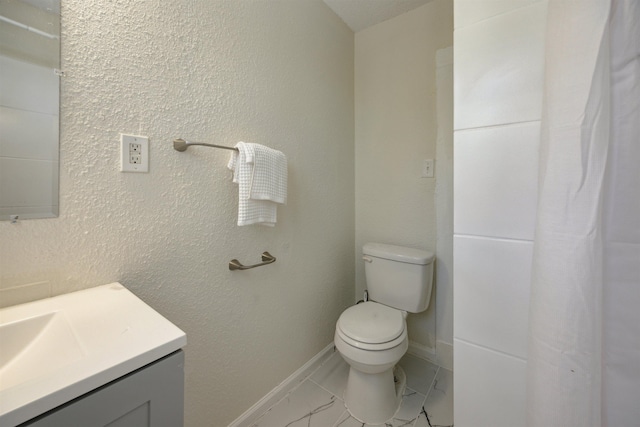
pixel 97 336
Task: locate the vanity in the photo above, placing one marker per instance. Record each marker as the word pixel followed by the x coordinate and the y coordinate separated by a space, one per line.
pixel 96 357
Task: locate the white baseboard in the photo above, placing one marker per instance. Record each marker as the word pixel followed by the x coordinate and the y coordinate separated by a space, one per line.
pixel 442 355
pixel 251 415
pixel 422 351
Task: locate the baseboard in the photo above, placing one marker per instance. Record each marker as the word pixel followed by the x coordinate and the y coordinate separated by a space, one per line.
pixel 442 355
pixel 422 351
pixel 251 415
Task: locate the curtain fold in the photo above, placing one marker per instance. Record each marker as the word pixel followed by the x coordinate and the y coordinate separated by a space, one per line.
pixel 584 334
pixel 621 296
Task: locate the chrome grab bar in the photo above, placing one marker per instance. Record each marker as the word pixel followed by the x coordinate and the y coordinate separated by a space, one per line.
pixel 267 258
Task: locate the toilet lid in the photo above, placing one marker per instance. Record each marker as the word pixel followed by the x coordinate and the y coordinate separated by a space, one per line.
pixel 371 323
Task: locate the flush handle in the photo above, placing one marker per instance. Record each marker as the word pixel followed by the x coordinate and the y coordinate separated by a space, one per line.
pixel 367 259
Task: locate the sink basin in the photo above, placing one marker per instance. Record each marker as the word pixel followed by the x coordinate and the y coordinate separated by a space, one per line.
pixel 23 344
pixel 57 349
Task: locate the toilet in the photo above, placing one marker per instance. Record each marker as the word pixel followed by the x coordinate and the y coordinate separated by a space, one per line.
pixel 372 336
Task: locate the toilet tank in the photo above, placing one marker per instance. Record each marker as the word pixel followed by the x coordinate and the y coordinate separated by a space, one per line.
pixel 399 277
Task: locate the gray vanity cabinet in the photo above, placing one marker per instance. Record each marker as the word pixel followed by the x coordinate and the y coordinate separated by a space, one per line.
pixel 152 396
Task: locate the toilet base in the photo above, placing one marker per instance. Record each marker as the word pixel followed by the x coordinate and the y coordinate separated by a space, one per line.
pixel 374 398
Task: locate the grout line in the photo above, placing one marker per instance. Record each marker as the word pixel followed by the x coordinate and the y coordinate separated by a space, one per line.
pixel 432 384
pixel 340 418
pixel 494 350
pixel 338 422
pixel 426 396
pixel 498 125
pixel 340 398
pixel 424 402
pixel 317 369
pixel 486 237
pixel 283 390
pixel 29 158
pixel 291 390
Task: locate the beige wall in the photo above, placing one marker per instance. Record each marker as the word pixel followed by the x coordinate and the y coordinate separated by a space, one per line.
pixel 278 73
pixel 396 129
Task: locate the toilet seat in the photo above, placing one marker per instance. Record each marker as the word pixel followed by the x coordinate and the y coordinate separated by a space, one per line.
pixel 372 326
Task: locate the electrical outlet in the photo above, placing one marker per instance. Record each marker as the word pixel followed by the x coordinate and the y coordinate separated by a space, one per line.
pixel 427 168
pixel 134 152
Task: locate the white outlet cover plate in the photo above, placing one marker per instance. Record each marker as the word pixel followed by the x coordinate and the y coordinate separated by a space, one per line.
pixel 125 164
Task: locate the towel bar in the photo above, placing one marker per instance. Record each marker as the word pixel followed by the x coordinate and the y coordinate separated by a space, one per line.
pixel 182 145
pixel 267 258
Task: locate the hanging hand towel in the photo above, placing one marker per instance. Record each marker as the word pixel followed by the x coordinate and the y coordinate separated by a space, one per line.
pixel 269 180
pixel 271 186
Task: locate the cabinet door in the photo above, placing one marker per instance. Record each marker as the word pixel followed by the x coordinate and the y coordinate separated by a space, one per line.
pixel 152 396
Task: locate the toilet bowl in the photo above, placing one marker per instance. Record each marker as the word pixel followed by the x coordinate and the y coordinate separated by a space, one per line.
pixel 372 338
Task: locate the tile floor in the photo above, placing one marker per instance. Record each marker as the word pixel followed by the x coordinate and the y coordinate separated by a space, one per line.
pixel 317 401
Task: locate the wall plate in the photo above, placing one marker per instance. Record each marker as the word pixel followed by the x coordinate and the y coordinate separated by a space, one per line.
pixel 134 153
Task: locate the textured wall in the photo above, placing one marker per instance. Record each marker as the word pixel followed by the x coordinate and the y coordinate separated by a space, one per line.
pixel 278 73
pixel 396 129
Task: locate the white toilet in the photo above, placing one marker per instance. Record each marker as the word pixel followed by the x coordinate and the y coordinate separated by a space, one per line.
pixel 372 336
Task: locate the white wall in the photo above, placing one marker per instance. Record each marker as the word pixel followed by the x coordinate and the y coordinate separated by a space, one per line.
pixel 278 73
pixel 397 126
pixel 499 62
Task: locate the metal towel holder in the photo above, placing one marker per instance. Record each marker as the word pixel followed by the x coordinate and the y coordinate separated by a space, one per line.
pixel 180 144
pixel 267 258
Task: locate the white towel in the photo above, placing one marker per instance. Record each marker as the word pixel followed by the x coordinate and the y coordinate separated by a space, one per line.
pixel 261 175
pixel 269 180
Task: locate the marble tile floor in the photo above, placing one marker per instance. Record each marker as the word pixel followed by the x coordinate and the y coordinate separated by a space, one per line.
pixel 317 401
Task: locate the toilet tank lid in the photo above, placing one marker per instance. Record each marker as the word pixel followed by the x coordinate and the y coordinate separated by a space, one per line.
pixel 398 253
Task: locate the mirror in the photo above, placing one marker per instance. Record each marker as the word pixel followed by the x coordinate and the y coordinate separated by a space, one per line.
pixel 29 108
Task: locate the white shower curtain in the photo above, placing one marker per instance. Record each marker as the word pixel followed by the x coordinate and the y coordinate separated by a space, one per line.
pixel 584 334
